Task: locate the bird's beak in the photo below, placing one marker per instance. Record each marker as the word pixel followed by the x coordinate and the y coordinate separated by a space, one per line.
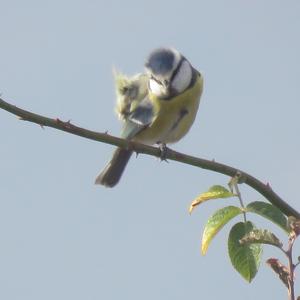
pixel 166 84
pixel 166 87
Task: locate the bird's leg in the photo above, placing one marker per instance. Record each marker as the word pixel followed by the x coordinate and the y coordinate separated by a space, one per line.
pixel 163 151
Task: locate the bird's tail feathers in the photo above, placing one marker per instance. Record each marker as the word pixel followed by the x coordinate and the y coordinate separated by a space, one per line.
pixel 113 171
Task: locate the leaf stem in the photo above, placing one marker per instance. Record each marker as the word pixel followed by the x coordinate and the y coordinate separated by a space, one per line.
pixel 291 267
pixel 239 195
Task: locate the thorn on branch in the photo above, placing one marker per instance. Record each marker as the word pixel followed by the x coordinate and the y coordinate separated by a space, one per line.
pixel 268 185
pixel 67 125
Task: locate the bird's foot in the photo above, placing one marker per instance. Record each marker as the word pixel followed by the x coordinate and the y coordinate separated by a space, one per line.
pixel 163 151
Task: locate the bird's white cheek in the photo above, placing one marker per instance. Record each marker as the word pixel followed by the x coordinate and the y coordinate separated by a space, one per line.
pixel 183 77
pixel 156 88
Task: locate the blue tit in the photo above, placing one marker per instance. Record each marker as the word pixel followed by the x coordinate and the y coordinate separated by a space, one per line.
pixel 165 114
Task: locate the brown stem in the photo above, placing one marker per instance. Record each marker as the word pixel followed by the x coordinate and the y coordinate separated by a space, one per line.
pixel 263 189
pixel 291 266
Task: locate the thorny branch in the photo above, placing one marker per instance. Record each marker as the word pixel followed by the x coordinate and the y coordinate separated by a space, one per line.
pixel 262 188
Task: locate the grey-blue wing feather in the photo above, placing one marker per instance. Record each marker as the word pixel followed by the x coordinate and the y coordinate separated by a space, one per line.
pixel 141 117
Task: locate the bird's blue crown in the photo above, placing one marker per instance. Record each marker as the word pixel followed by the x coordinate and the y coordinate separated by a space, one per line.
pixel 161 61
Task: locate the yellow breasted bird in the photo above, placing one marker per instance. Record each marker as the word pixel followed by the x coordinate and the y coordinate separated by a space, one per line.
pixel 157 107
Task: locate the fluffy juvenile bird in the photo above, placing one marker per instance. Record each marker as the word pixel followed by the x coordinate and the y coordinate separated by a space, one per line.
pixel 166 112
pixel 130 91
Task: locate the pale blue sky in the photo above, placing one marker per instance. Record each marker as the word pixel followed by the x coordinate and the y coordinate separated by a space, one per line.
pixel 64 238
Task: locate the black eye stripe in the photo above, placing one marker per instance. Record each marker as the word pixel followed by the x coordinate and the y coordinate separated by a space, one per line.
pixel 174 72
pixel 177 69
pixel 156 80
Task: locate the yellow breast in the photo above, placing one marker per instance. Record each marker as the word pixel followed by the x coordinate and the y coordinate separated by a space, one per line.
pixel 174 117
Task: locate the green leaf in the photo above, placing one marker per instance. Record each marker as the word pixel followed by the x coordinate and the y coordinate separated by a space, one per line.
pixel 269 212
pixel 214 192
pixel 244 258
pixel 216 222
pixel 261 236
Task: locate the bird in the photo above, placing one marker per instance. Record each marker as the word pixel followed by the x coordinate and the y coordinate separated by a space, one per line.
pixel 158 106
pixel 129 91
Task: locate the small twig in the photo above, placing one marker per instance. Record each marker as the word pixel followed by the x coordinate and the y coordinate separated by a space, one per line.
pixel 296 265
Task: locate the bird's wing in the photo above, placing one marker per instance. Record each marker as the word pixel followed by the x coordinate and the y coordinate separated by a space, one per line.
pixel 140 118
